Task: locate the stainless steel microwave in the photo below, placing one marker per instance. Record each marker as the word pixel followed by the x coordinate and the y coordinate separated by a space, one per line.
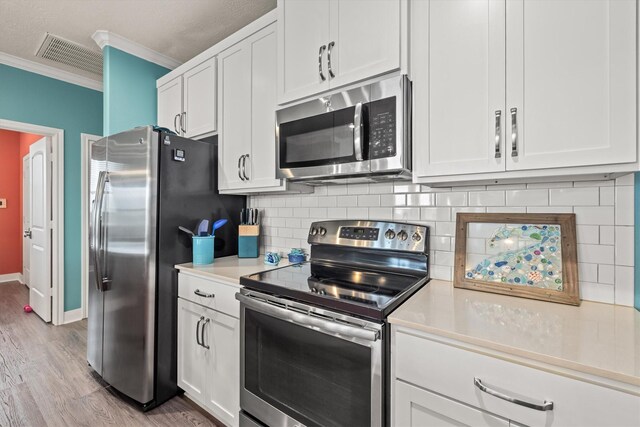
pixel 361 134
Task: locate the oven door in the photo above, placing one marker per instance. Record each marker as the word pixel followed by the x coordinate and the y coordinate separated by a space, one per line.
pixel 301 365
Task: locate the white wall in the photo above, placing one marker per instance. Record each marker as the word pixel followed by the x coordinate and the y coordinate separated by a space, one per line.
pixel 604 216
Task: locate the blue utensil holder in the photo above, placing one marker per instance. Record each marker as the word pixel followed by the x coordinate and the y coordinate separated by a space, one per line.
pixel 203 250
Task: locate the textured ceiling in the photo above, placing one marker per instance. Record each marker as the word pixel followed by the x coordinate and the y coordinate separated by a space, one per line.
pixel 179 29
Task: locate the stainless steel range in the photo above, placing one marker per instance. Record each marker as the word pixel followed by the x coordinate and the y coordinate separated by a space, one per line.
pixel 314 337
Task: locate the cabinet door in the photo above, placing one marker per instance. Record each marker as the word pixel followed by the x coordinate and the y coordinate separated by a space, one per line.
pixel 200 99
pixel 262 162
pixel 222 336
pixel 571 76
pixel 458 72
pixel 170 105
pixel 417 407
pixel 303 28
pixel 192 357
pixel 234 141
pixel 366 34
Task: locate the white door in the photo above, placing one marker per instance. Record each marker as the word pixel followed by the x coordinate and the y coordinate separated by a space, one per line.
pixel 170 105
pixel 234 141
pixel 199 115
pixel 262 163
pixel 416 407
pixel 458 72
pixel 303 38
pixel 26 220
pixel 366 39
pixel 222 336
pixel 571 78
pixel 191 355
pixel 40 241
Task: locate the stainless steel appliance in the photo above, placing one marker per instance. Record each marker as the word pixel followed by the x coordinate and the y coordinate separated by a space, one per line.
pixel 362 133
pixel 314 344
pixel 147 183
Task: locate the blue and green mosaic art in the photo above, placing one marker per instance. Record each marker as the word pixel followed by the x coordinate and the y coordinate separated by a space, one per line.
pixel 517 254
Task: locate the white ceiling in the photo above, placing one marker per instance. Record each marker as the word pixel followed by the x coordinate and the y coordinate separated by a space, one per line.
pixel 179 29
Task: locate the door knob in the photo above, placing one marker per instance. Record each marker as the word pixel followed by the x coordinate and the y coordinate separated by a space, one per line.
pixel 27 233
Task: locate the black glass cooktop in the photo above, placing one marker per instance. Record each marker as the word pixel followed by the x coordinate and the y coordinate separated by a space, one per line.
pixel 367 293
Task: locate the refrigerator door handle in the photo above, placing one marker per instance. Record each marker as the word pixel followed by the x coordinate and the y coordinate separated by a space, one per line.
pixel 96 229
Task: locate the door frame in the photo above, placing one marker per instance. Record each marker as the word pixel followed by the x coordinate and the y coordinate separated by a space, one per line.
pixel 85 138
pixel 57 206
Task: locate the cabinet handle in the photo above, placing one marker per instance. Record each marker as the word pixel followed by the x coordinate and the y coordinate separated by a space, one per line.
pixel 244 167
pixel 198 330
pixel 514 132
pixel 320 52
pixel 331 45
pixel 206 322
pixel 498 134
pixel 239 171
pixel 175 124
pixel 546 405
pixel 203 294
pixel 183 122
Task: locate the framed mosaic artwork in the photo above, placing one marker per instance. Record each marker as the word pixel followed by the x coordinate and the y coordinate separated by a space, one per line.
pixel 525 255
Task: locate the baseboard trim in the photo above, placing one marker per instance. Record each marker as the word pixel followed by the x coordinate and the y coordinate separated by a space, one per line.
pixel 72 316
pixel 11 277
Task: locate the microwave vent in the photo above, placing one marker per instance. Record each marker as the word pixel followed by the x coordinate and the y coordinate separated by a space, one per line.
pixel 66 52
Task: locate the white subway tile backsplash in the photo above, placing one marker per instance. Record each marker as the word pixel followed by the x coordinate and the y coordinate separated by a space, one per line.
pixel 604 216
pixel 486 198
pixel 586 196
pixel 451 199
pixel 539 197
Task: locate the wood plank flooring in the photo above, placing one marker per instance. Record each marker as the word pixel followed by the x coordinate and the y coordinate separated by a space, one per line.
pixel 45 380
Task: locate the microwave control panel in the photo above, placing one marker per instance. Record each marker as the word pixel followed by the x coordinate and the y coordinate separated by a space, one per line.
pixel 382 128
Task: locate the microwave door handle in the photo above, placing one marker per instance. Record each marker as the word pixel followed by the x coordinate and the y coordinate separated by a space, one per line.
pixel 357 132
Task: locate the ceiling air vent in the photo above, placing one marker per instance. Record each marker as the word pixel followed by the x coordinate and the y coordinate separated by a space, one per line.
pixel 69 53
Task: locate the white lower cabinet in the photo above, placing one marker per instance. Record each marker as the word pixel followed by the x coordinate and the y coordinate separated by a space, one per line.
pixel 435 383
pixel 209 356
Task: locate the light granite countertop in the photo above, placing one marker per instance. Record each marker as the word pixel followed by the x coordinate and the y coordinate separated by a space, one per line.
pixel 595 338
pixel 230 269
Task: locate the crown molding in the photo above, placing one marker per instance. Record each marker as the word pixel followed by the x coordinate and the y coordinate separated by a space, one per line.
pixel 107 38
pixel 48 71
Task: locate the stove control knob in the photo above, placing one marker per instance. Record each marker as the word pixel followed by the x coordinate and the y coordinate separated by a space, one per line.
pixel 322 231
pixel 416 237
pixel 323 292
pixel 390 234
pixel 313 231
pixel 402 235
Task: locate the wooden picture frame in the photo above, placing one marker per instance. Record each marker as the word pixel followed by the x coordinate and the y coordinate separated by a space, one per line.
pixel 470 278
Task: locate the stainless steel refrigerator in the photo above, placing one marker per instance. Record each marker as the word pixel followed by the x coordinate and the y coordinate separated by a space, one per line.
pixel 147 183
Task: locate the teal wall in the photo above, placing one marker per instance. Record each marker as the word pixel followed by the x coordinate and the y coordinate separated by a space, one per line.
pixel 130 97
pixel 636 276
pixel 35 99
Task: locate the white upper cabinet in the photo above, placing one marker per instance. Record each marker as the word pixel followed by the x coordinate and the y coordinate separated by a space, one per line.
pixel 325 44
pixel 187 103
pixel 199 116
pixel 459 86
pixel 303 35
pixel 571 76
pixel 170 104
pixel 523 89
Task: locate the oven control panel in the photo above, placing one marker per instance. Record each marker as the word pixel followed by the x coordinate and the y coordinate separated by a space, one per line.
pixel 371 234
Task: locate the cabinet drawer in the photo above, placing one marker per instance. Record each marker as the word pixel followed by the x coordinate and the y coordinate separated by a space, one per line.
pixel 450 371
pixel 223 297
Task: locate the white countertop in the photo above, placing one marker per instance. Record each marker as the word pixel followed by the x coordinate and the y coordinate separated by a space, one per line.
pixel 595 338
pixel 230 269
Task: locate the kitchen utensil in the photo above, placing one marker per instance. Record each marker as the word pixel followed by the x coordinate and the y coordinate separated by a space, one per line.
pixel 219 223
pixel 186 230
pixel 203 228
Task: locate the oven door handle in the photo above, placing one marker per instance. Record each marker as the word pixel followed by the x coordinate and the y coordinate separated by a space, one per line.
pixel 327 326
pixel 357 131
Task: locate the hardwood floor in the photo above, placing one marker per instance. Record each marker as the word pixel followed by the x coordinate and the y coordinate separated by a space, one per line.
pixel 45 380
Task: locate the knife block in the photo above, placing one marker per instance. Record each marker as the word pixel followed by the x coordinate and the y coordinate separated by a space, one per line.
pixel 248 241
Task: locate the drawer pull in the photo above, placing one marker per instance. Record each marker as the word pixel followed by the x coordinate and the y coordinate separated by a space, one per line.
pixel 203 294
pixel 545 406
